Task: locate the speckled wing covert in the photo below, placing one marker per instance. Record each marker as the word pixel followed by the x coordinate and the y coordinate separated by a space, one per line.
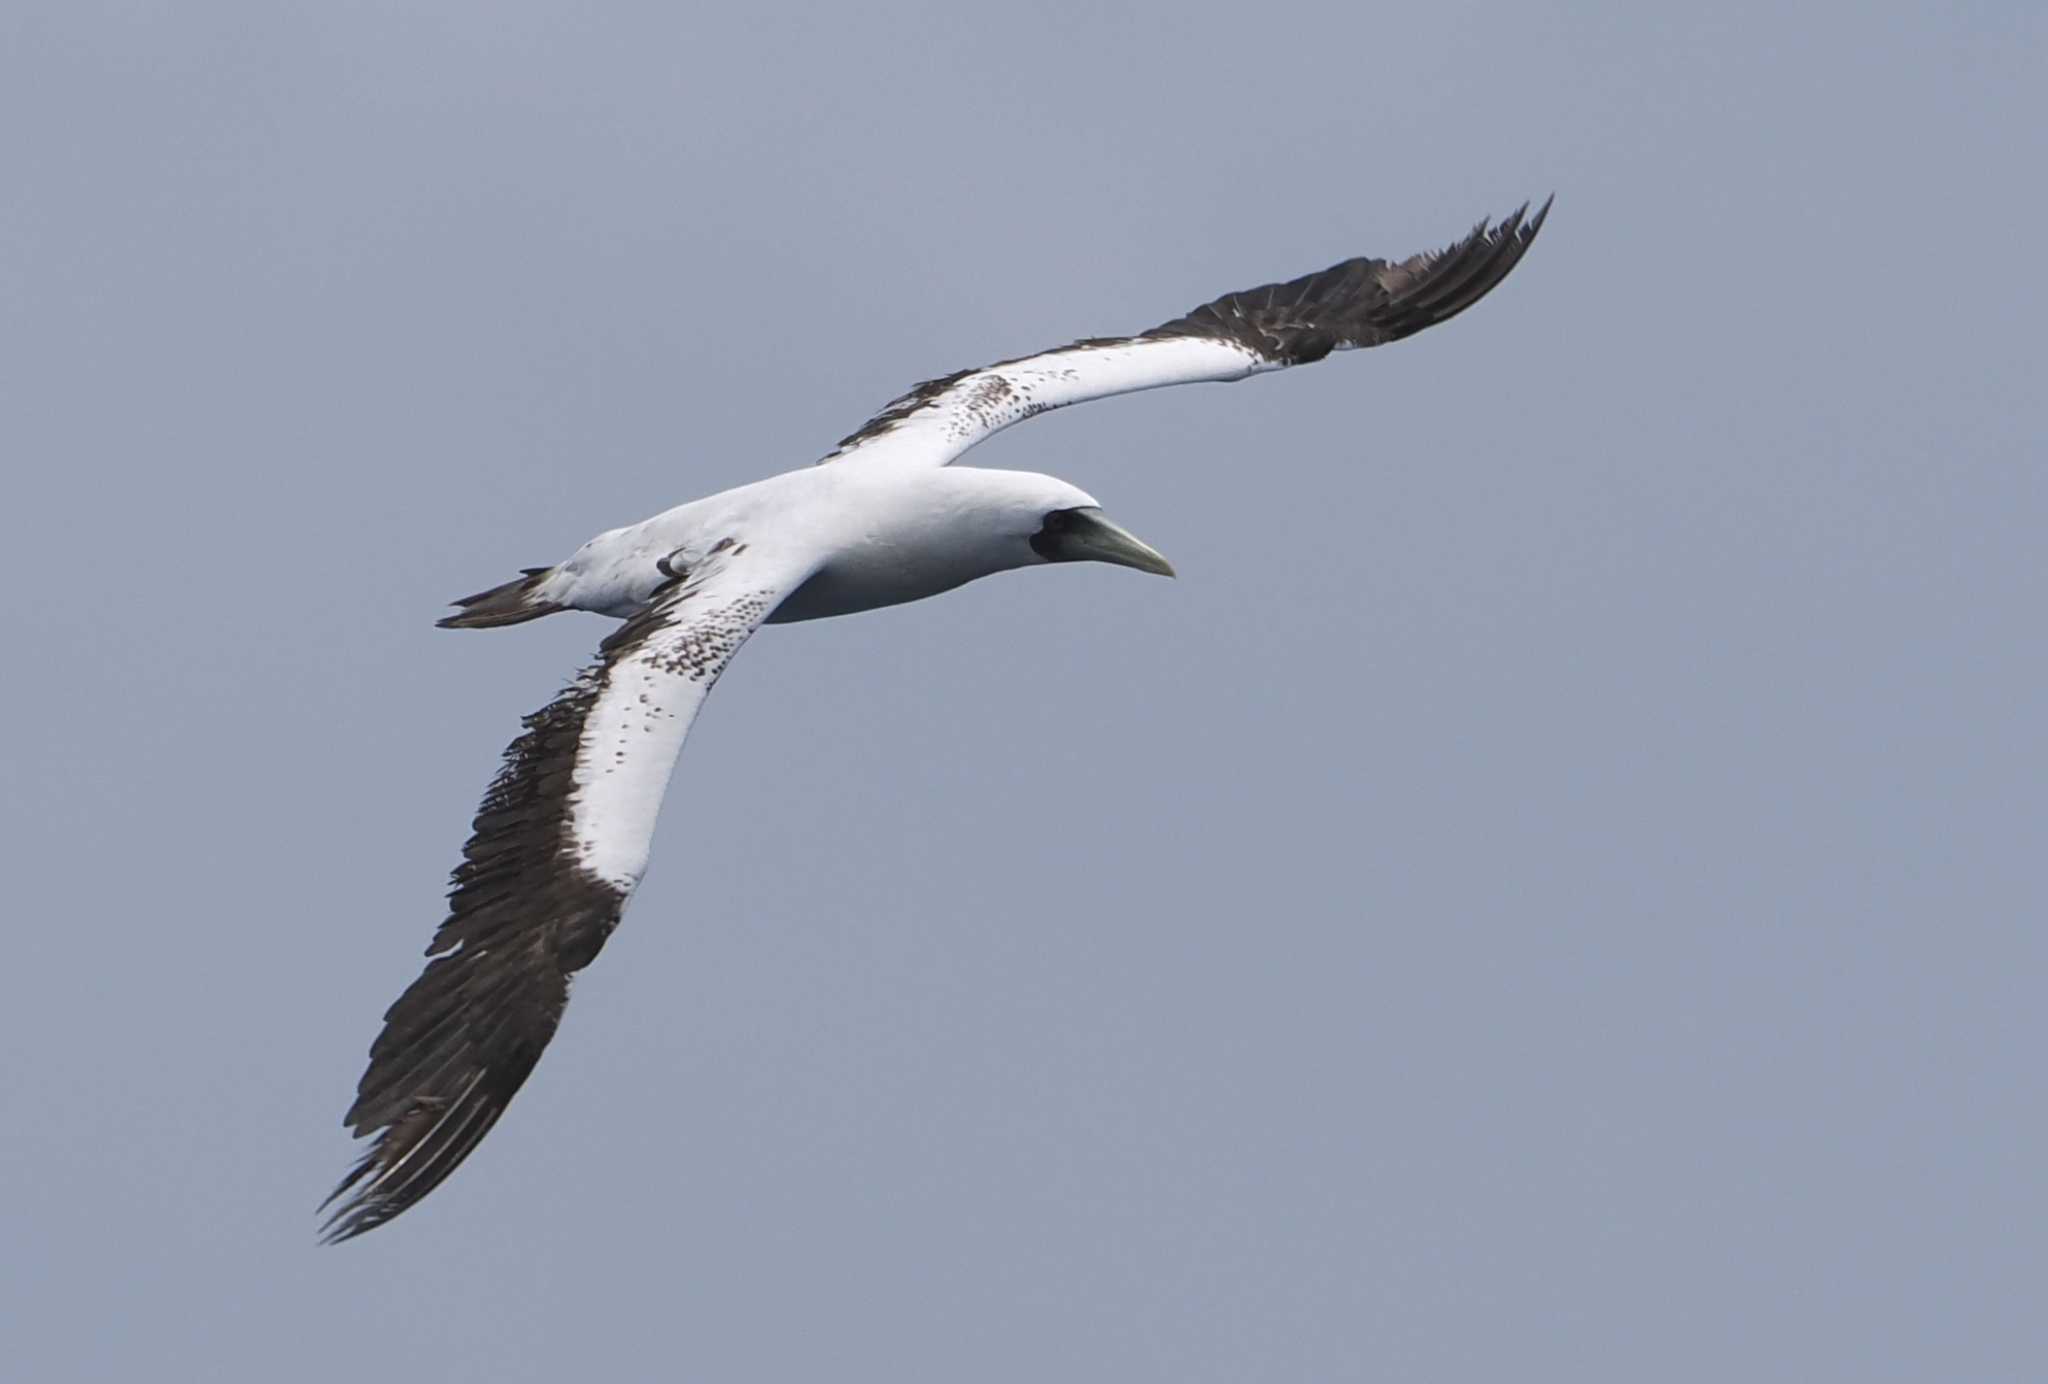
pixel 558 847
pixel 1361 302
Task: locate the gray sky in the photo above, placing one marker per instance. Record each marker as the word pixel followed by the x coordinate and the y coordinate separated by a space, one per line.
pixel 1554 891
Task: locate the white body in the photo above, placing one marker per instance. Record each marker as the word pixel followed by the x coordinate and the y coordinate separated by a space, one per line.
pixel 869 536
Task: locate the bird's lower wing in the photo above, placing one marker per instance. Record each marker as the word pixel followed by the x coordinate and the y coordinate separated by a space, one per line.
pixel 1361 302
pixel 558 846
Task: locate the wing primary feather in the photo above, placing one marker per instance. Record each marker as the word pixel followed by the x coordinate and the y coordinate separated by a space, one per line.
pixel 427 1137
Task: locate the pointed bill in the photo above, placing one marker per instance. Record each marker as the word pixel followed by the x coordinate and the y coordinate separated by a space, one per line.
pixel 1089 535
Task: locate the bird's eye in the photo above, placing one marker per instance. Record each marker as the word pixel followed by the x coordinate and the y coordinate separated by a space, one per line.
pixel 1046 542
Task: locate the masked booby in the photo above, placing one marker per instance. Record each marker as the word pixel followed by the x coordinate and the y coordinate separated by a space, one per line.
pixel 563 835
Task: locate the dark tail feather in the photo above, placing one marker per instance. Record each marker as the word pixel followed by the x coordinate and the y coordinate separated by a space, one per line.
pixel 510 604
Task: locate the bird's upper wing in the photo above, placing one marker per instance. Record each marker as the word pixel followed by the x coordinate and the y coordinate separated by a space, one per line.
pixel 1361 302
pixel 558 846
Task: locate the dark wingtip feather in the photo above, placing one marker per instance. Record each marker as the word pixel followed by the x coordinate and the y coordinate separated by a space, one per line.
pixel 415 1151
pixel 1363 302
pixel 1440 286
pixel 460 1042
pixel 412 1156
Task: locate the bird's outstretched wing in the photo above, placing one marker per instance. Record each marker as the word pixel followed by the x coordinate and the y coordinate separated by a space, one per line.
pixel 1361 302
pixel 559 845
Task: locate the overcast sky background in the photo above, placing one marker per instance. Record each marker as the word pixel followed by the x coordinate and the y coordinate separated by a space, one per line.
pixel 1555 890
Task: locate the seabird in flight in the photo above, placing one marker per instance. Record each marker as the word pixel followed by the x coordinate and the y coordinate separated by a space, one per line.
pixel 562 837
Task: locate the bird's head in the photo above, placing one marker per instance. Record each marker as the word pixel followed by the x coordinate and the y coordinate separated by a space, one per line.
pixel 1050 521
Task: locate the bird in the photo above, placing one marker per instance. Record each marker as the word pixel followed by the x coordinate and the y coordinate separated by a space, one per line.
pixel 563 835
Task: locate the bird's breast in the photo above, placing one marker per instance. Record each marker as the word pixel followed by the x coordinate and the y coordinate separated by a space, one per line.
pixel 878 572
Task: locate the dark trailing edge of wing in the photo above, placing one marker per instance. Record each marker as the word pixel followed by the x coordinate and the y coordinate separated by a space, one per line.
pixel 1361 302
pixel 523 917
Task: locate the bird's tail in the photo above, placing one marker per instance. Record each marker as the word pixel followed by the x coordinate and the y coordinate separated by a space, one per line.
pixel 510 604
